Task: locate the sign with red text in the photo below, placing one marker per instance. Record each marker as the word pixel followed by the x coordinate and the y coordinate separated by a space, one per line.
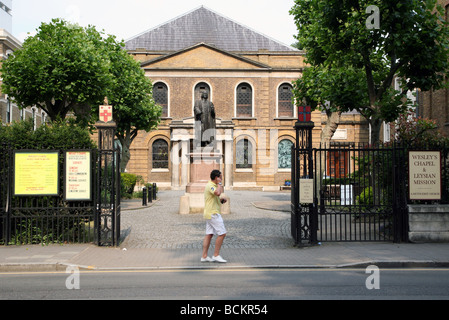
pixel 424 175
pixel 77 176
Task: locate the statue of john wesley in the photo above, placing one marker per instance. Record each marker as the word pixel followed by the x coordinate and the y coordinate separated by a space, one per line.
pixel 204 122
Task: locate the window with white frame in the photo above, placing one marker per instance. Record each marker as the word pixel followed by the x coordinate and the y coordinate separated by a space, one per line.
pixel 244 100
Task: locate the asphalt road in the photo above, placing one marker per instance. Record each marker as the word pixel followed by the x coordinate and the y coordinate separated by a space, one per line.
pixel 229 284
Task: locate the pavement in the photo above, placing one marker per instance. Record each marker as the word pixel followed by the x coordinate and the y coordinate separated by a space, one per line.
pixel 156 237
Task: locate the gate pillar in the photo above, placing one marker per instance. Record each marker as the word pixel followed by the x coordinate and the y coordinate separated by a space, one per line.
pixel 108 181
pixel 304 218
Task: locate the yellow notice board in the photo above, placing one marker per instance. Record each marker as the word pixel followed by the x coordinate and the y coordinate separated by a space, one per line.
pixel 36 173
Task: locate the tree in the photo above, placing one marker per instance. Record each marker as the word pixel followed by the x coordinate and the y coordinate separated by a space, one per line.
pixel 323 88
pixel 62 69
pixel 411 41
pixel 66 68
pixel 131 96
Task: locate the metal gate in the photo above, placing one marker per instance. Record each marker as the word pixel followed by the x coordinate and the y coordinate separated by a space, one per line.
pixel 34 219
pixel 359 192
pixel 347 192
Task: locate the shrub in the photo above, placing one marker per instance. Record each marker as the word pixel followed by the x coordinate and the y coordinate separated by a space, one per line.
pixel 128 182
pixel 365 199
pixel 59 135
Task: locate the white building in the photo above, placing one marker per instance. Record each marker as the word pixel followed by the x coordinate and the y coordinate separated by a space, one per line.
pixel 6 15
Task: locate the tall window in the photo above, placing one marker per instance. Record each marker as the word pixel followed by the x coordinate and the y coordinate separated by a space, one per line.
pixel 160 95
pixel 244 106
pixel 285 100
pixel 285 154
pixel 244 154
pixel 201 87
pixel 160 154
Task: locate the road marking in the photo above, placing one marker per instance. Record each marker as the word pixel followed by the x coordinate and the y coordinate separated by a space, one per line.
pixel 222 270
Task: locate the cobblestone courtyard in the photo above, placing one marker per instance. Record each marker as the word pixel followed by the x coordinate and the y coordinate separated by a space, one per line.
pixel 160 226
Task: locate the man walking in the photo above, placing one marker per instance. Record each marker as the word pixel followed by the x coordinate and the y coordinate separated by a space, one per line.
pixel 214 221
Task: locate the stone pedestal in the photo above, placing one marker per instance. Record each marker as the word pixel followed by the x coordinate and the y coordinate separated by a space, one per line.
pixel 201 165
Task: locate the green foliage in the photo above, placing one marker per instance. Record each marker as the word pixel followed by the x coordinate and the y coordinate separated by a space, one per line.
pixel 66 68
pixel 417 131
pixel 366 198
pixel 63 68
pixel 131 96
pixel 128 182
pixel 59 135
pixel 353 67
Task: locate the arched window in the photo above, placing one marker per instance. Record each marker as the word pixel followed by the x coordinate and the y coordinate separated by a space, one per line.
pixel 244 107
pixel 244 154
pixel 160 154
pixel 285 100
pixel 285 154
pixel 160 95
pixel 199 88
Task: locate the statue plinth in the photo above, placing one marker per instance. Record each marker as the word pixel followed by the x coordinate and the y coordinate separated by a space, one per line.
pixel 201 165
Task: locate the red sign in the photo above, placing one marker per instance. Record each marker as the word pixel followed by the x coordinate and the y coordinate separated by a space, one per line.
pixel 105 113
pixel 304 113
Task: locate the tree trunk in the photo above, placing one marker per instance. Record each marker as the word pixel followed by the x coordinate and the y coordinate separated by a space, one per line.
pixel 125 155
pixel 376 124
pixel 333 119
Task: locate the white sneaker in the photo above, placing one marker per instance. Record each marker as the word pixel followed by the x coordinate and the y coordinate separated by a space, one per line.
pixel 207 259
pixel 218 259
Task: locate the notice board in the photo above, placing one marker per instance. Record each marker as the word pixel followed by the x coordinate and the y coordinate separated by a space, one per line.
pixel 36 173
pixel 77 186
pixel 424 175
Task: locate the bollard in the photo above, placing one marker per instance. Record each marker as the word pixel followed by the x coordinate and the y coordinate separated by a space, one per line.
pixel 144 196
pixel 150 194
pixel 154 191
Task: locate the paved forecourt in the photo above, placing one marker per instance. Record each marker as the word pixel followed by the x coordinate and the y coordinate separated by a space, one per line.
pixel 248 225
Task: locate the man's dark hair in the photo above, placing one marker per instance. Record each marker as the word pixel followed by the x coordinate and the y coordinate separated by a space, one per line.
pixel 214 174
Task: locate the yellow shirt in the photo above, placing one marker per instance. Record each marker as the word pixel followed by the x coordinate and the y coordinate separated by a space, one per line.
pixel 211 201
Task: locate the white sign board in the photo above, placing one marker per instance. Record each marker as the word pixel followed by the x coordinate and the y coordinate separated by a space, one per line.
pixel 306 190
pixel 346 194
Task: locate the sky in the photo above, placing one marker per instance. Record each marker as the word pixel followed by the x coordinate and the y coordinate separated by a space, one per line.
pixel 128 18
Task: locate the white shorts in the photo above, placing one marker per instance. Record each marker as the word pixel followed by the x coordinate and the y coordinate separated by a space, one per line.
pixel 215 225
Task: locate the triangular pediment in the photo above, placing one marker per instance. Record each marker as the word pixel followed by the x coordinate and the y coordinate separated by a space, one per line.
pixel 203 56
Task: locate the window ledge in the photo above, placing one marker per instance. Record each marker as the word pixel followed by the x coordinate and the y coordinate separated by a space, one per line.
pixel 159 170
pixel 244 170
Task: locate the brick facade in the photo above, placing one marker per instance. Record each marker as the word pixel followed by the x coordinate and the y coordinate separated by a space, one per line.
pixel 435 104
pixel 265 72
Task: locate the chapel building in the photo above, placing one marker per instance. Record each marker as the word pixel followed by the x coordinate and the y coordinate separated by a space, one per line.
pixel 248 77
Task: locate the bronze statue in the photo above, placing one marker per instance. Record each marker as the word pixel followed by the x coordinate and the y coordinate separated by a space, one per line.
pixel 204 111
